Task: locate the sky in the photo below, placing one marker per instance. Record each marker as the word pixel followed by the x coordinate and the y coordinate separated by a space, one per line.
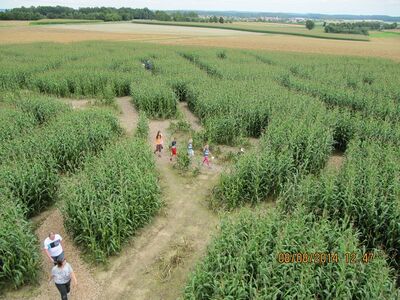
pixel 355 7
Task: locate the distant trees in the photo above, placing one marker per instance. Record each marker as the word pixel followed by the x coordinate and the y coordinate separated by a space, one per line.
pixel 185 17
pixel 89 13
pixel 162 16
pixel 358 27
pixel 310 24
pixel 97 13
pixel 213 19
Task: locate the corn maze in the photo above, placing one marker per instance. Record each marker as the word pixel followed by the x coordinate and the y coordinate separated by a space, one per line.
pixel 300 107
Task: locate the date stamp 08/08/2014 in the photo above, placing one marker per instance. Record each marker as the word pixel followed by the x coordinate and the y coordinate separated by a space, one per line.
pixel 324 258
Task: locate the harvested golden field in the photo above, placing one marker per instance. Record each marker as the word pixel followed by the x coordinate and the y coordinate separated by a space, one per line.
pixel 377 47
pixel 19 32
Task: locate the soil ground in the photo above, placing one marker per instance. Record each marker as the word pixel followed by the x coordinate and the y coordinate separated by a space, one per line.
pixel 378 47
pixel 335 161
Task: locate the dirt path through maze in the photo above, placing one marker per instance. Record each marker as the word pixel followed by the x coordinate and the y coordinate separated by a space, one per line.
pixel 157 262
pixel 87 288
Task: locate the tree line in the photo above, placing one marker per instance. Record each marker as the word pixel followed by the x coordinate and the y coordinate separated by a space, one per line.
pixel 102 13
pixel 358 27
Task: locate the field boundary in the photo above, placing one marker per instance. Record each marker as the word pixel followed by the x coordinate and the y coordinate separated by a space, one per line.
pixel 64 22
pixel 251 30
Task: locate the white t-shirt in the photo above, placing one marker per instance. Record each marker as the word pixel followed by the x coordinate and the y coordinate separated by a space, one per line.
pixel 62 275
pixel 53 246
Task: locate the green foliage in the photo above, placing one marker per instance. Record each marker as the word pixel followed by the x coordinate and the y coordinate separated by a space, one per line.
pixel 358 27
pixel 155 99
pixel 183 162
pixel 310 24
pixel 42 108
pixel 142 130
pixel 223 130
pixel 115 195
pixel 367 190
pixel 88 13
pixel 181 126
pixel 222 54
pixel 34 182
pixel 19 255
pixel 108 96
pixel 14 123
pixel 243 262
pixel 29 165
pixel 289 147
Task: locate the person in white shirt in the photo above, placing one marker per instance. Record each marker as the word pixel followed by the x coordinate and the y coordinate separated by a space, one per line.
pixel 62 274
pixel 53 247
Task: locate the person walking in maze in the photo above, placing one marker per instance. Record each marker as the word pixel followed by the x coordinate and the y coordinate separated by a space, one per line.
pixel 190 148
pixel 206 153
pixel 159 143
pixel 62 273
pixel 53 247
pixel 173 149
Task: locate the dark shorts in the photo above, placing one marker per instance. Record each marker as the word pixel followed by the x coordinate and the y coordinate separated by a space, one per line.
pixel 64 289
pixel 159 147
pixel 60 257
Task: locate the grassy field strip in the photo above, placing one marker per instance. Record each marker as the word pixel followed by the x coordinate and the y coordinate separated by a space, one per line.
pixel 63 21
pixel 252 30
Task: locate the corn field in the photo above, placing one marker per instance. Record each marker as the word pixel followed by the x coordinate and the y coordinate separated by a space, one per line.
pixel 244 262
pixel 115 195
pixel 301 107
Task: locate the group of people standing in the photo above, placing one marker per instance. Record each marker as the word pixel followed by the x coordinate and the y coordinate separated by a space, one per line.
pixel 62 272
pixel 173 147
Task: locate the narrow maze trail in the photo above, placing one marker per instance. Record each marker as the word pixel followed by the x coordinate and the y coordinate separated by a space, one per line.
pixel 158 261
pixel 87 287
pixel 52 220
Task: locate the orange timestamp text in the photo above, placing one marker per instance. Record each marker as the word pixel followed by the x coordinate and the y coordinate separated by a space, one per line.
pixel 324 258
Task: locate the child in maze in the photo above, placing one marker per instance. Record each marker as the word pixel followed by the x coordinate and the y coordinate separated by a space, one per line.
pixel 159 143
pixel 190 148
pixel 206 153
pixel 173 149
